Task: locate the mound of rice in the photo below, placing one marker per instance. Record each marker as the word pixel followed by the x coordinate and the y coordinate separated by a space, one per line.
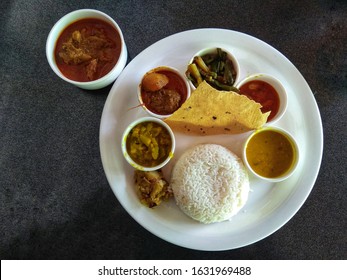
pixel 210 183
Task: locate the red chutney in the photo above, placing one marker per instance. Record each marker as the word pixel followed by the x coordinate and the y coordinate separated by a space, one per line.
pixel 87 49
pixel 164 101
pixel 263 93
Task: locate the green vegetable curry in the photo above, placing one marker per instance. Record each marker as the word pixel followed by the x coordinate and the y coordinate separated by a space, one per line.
pixel 215 68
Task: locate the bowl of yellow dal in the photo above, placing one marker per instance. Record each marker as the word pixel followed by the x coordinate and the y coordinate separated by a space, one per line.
pixel 271 153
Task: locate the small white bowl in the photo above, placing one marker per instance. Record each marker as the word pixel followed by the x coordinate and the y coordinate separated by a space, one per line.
pixel 176 73
pixel 66 21
pixel 274 154
pixel 124 144
pixel 213 50
pixel 279 88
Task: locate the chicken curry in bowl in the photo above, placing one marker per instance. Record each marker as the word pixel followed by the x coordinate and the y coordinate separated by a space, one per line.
pixel 87 49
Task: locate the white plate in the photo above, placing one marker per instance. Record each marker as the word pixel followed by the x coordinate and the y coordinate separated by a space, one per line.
pixel 269 206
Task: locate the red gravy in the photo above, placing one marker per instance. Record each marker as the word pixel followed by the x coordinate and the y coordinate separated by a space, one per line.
pixel 263 93
pixel 175 84
pixel 87 49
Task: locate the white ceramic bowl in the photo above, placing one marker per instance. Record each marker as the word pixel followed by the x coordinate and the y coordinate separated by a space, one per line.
pixel 67 20
pixel 274 154
pixel 213 51
pixel 124 142
pixel 163 68
pixel 279 88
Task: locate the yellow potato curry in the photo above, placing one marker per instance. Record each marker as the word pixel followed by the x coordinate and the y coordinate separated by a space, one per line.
pixel 149 144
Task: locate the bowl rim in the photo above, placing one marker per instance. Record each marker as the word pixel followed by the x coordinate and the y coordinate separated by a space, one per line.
pixel 277 85
pixel 230 55
pixel 68 19
pixel 170 68
pixel 124 139
pixel 295 147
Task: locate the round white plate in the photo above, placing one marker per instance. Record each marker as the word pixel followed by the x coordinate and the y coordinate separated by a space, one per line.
pixel 270 205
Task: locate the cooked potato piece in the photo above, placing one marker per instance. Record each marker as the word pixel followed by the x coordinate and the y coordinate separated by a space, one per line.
pixel 154 81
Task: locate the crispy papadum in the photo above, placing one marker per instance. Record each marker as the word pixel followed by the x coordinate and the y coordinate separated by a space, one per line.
pixel 209 111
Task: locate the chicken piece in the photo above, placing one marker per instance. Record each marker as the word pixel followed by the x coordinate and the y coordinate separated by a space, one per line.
pixel 72 53
pixel 77 36
pixel 91 68
pixel 94 44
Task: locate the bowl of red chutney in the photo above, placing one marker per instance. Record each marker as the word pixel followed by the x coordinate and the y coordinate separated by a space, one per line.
pixel 87 49
pixel 268 91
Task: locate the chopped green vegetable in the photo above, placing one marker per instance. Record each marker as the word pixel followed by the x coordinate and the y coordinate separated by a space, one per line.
pixel 215 68
pixel 194 74
pixel 201 63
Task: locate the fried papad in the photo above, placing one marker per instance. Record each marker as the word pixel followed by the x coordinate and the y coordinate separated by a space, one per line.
pixel 209 111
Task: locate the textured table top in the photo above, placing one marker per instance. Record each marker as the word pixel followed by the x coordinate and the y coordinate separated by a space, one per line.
pixel 55 201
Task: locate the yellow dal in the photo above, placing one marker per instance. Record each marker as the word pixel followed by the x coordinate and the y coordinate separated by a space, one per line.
pixel 270 153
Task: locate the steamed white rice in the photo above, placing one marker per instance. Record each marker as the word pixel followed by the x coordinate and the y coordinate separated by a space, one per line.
pixel 210 183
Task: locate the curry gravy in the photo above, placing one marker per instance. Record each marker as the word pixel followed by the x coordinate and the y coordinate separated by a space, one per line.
pixel 87 49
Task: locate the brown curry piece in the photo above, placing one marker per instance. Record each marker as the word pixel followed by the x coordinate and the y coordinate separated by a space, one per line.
pixel 87 49
pixel 90 49
pixel 165 101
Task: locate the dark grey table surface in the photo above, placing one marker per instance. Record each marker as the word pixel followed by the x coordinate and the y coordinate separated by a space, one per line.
pixel 55 200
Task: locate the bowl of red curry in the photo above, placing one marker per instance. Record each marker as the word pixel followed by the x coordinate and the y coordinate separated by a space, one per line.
pixel 268 91
pixel 162 91
pixel 87 49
